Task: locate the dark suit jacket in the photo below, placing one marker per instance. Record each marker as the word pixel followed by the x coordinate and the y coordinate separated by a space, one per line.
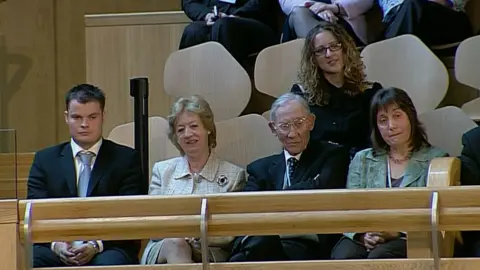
pixel 259 10
pixel 329 161
pixel 116 172
pixel 470 175
pixel 470 157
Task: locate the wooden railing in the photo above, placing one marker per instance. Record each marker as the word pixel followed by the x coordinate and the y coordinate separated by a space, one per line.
pixel 411 210
pixel 422 212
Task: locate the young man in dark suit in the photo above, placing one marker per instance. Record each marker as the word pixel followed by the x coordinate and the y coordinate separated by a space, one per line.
pixel 243 27
pixel 86 166
pixel 470 176
pixel 302 165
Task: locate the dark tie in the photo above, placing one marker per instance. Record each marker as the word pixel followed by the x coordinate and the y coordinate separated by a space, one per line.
pixel 84 178
pixel 292 166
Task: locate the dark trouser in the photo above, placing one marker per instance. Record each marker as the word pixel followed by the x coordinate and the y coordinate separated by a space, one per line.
pixel 302 20
pixel 240 36
pixel 433 23
pixel 346 248
pixel 43 256
pixel 274 248
pixel 471 244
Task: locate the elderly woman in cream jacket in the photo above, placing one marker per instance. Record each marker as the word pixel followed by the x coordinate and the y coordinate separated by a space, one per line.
pixel 197 171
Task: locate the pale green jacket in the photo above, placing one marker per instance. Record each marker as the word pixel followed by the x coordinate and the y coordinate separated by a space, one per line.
pixel 369 171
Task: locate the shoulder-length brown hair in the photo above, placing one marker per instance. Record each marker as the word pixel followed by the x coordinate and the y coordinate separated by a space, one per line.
pixel 394 96
pixel 311 76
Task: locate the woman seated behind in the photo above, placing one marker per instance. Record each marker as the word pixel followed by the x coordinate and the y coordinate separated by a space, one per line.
pixel 303 15
pixel 197 171
pixel 332 79
pixel 400 157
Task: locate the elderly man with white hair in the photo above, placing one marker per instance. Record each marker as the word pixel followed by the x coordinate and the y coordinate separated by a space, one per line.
pixel 303 164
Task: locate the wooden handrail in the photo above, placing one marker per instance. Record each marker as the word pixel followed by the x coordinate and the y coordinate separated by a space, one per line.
pixel 390 264
pixel 294 212
pixel 402 210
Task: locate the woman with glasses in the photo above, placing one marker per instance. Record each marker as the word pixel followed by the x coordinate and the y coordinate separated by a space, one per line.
pixel 400 158
pixel 332 80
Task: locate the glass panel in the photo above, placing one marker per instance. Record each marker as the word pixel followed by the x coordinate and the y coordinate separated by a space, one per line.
pixel 8 164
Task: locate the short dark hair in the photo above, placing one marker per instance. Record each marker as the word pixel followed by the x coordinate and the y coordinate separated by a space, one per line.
pixel 390 96
pixel 84 93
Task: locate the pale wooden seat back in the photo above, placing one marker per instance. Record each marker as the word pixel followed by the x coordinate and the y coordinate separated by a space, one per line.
pixel 245 139
pixel 467 66
pixel 450 178
pixel 160 147
pixel 405 62
pixel 14 171
pixel 277 66
pixel 210 71
pixel 445 127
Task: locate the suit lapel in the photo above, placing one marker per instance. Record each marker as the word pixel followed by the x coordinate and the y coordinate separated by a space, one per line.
pixel 101 163
pixel 277 171
pixel 414 170
pixel 68 167
pixel 304 164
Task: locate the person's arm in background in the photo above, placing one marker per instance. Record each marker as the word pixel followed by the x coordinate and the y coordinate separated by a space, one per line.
pixel 287 6
pixel 195 10
pixel 254 9
pixel 351 8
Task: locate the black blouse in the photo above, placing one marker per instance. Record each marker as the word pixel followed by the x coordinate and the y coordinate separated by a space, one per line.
pixel 345 120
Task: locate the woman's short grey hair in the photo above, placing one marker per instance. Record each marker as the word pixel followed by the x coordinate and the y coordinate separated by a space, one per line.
pixel 194 104
pixel 284 99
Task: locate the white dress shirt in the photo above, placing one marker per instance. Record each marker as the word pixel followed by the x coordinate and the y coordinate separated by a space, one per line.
pixel 78 168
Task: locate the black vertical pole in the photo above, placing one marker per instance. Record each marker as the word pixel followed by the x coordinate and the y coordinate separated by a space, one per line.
pixel 139 92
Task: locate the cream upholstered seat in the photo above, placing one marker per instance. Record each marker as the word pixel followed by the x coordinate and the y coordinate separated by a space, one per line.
pixel 445 127
pixel 276 67
pixel 467 66
pixel 244 139
pixel 209 70
pixel 405 62
pixel 160 147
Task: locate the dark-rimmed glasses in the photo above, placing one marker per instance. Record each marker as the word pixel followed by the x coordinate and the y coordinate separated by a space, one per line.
pixel 322 50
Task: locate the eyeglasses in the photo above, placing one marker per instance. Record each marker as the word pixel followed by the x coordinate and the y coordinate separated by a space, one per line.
pixel 285 126
pixel 322 50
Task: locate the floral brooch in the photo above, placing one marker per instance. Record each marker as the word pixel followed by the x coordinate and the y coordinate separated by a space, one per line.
pixel 222 180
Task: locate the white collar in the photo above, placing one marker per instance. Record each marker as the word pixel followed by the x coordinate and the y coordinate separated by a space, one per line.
pixel 288 155
pixel 94 149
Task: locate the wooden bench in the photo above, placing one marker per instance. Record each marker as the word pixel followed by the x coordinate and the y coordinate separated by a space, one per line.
pixel 266 213
pixel 14 170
